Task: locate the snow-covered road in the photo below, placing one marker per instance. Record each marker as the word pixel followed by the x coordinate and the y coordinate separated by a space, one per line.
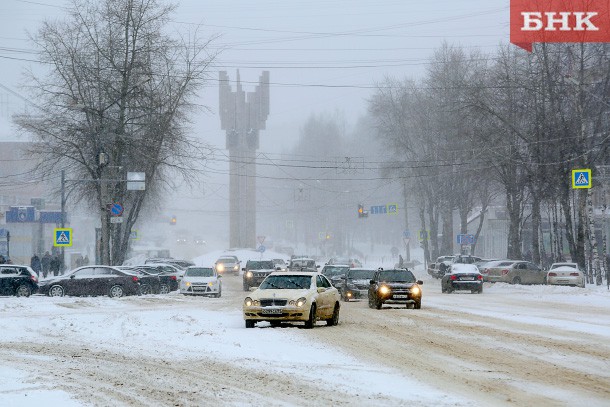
pixel 512 345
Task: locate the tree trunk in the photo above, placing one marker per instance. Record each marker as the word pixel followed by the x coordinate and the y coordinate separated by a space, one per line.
pixel 595 273
pixel 536 222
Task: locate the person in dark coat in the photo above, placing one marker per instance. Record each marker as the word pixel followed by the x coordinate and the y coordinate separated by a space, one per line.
pixel 55 265
pixel 36 264
pixel 46 264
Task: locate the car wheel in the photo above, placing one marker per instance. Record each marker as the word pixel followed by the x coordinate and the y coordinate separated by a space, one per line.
pixel 145 289
pixel 334 320
pixel 56 291
pixel 449 290
pixel 219 293
pixel 164 289
pixel 312 317
pixel 250 323
pixel 480 290
pixel 516 280
pixel 417 304
pixel 116 291
pixel 443 289
pixel 23 290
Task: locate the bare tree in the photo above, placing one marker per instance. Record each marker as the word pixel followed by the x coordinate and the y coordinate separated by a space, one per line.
pixel 116 98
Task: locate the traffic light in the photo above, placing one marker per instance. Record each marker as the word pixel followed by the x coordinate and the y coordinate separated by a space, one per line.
pixel 172 221
pixel 361 212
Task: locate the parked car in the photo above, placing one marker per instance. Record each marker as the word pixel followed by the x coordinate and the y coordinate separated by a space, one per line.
pixel 20 281
pixel 462 276
pixel 149 283
pixel 293 297
pixel 177 263
pixel 565 274
pixel 514 272
pixel 335 274
pixel 92 280
pixel 169 276
pixel 394 286
pixel 227 264
pixel 201 281
pixel 465 259
pixel 355 283
pixel 256 271
pixel 440 266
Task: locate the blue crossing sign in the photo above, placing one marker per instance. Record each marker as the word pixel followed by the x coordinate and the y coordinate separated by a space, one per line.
pixel 62 237
pixel 581 178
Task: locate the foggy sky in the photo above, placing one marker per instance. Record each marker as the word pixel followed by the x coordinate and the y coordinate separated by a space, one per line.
pixel 323 56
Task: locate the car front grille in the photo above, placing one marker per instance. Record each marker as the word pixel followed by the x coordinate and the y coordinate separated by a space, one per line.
pixel 200 288
pixel 273 302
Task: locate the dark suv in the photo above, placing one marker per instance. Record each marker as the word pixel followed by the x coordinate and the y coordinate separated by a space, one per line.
pixel 395 286
pixel 256 271
pixel 20 281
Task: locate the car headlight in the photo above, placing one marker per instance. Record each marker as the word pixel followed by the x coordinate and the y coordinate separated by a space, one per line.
pixel 299 303
pixel 249 302
pixel 187 283
pixel 384 289
pixel 236 267
pixel 220 267
pixel 415 290
pixel 210 284
pixel 249 274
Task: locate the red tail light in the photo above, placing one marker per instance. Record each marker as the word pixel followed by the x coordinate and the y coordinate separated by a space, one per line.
pixel 34 279
pixel 574 274
pixel 135 279
pixel 173 278
pixel 552 274
pixel 480 277
pixel 504 272
pixel 453 277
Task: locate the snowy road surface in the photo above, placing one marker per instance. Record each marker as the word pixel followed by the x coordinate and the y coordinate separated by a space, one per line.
pixel 511 345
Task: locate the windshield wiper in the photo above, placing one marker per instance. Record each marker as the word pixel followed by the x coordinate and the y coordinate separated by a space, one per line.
pixel 295 284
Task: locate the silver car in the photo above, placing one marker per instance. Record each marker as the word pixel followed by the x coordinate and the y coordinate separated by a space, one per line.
pixel 514 272
pixel 565 274
pixel 201 281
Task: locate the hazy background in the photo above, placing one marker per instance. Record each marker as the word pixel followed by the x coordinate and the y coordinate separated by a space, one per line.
pixel 324 57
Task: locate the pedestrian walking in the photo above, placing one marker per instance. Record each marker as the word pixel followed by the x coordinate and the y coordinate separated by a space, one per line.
pixel 46 264
pixel 55 265
pixel 36 264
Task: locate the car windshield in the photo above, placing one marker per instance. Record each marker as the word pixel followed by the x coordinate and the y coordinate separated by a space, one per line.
pixel 361 274
pixel 260 265
pixel 335 271
pixel 199 272
pixel 399 276
pixel 225 260
pixel 289 282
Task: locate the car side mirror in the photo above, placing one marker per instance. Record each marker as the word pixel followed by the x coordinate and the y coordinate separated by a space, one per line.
pixel 317 266
pixel 420 282
pixel 243 269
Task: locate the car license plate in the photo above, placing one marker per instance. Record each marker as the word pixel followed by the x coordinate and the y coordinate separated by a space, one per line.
pixel 401 296
pixel 467 278
pixel 272 311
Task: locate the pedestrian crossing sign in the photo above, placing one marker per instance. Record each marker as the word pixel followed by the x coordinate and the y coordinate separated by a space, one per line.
pixel 62 237
pixel 581 178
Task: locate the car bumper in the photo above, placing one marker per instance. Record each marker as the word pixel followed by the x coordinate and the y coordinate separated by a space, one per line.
pixel 466 285
pixel 496 279
pixel 286 313
pixel 353 294
pixel 400 299
pixel 577 281
pixel 200 290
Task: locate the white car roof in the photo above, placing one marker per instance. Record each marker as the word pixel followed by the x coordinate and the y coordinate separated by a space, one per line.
pixel 458 268
pixel 562 264
pixel 564 268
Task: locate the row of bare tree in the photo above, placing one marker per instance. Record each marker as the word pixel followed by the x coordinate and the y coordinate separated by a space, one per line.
pixel 506 129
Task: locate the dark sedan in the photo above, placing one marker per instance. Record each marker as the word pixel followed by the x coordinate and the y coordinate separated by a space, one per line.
pixel 396 286
pixel 462 277
pixel 20 281
pixel 92 281
pixel 149 283
pixel 168 276
pixel 356 283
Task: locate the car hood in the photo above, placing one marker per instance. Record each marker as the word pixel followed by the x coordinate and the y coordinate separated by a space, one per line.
pixel 394 284
pixel 279 293
pixel 359 281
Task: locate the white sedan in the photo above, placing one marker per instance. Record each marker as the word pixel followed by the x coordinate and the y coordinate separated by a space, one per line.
pixel 293 296
pixel 201 281
pixel 565 274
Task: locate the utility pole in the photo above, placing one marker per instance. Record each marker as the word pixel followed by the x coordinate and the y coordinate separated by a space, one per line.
pixel 63 214
pixel 404 194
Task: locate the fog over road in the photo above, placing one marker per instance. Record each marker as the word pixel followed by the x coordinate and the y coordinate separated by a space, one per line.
pixel 511 345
